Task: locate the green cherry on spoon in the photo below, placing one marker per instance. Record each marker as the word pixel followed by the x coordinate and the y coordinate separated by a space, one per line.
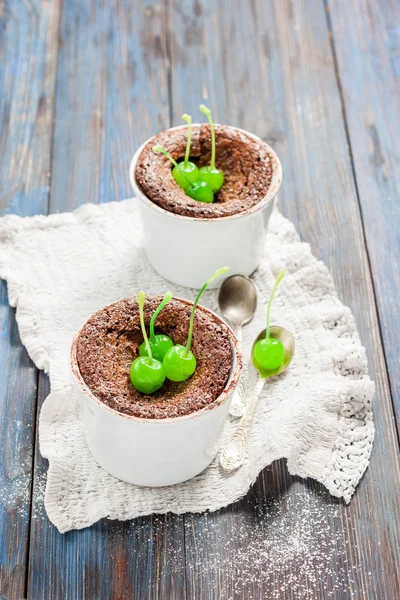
pixel 147 374
pixel 159 343
pixel 180 362
pixel 187 167
pixel 211 175
pixel 198 190
pixel 269 353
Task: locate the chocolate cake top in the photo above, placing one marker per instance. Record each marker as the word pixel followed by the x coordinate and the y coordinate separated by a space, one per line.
pixel 245 162
pixel 109 342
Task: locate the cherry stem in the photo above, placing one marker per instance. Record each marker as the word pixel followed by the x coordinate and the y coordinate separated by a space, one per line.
pixel 217 273
pixel 207 112
pixel 277 282
pixel 140 300
pixel 188 120
pixel 160 150
pixel 165 300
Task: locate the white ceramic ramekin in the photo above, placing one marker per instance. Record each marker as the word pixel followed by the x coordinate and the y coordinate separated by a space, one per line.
pixel 187 250
pixel 155 452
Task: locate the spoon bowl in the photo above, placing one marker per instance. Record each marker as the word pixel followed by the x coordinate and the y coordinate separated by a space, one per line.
pixel 237 299
pixel 277 332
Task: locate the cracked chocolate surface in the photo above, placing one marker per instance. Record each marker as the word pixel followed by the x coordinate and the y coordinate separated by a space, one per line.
pixel 245 162
pixel 110 340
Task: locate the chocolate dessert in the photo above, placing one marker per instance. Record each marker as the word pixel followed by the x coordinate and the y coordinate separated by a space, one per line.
pixel 109 342
pixel 245 162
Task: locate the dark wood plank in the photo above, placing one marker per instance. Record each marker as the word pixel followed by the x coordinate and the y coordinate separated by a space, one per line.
pixel 111 95
pixel 268 67
pixel 367 44
pixel 28 52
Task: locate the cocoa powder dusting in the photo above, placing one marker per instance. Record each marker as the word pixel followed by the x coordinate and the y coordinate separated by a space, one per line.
pixel 245 163
pixel 110 340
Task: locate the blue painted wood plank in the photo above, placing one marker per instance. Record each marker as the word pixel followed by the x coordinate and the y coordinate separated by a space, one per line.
pixel 28 49
pixel 366 37
pixel 268 67
pixel 111 96
pixel 292 75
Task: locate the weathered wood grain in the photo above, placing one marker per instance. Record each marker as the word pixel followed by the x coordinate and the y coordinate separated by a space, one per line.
pixel 268 67
pixel 28 50
pixel 366 38
pixel 111 96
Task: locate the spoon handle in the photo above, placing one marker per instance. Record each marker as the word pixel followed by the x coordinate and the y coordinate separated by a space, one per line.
pixel 239 400
pixel 238 331
pixel 234 453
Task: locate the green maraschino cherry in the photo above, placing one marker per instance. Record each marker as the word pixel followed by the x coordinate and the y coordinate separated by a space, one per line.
pixel 198 190
pixel 187 167
pixel 159 343
pixel 147 373
pixel 269 353
pixel 180 362
pixel 211 175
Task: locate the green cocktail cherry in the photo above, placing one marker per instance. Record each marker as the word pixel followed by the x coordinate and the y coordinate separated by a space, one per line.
pixel 198 190
pixel 180 362
pixel 187 167
pixel 159 343
pixel 211 175
pixel 268 353
pixel 147 373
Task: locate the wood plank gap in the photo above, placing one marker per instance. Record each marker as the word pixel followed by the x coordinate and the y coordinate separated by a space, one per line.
pixel 34 437
pixel 53 122
pixel 169 61
pixel 353 169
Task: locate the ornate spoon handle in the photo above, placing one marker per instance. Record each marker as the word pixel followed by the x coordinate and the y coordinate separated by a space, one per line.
pixel 239 401
pixel 234 453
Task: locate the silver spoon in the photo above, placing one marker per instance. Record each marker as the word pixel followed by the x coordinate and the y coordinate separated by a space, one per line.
pixel 234 453
pixel 237 300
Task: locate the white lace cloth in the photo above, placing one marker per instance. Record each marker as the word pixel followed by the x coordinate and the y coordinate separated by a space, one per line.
pixel 62 268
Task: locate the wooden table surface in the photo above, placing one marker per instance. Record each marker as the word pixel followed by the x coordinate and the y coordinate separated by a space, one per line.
pixel 82 84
